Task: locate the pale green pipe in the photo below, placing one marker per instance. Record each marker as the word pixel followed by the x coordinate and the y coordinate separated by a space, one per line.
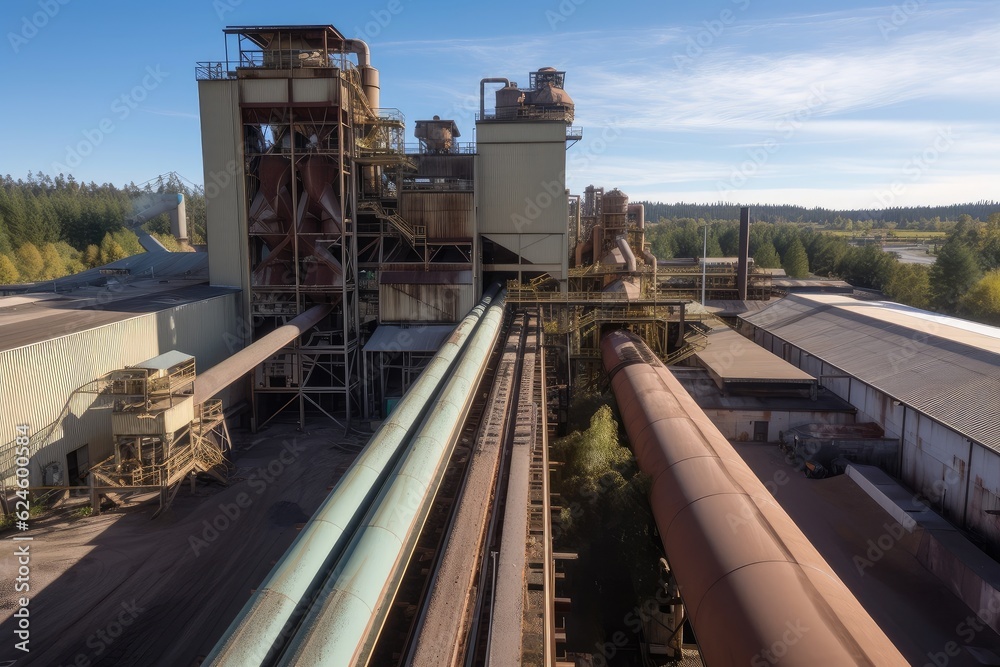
pixel 259 630
pixel 342 626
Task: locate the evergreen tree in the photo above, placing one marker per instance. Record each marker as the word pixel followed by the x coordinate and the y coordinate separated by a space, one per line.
pixel 953 274
pixel 8 272
pixel 767 257
pixel 795 261
pixel 29 262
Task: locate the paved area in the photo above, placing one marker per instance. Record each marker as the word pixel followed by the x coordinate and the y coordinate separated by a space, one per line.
pixel 874 556
pixel 121 589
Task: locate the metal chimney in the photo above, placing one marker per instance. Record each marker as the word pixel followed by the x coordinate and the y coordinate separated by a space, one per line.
pixel 743 265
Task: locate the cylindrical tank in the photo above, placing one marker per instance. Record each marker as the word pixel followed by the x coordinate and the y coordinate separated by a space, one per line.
pixel 178 220
pixel 615 201
pixel 370 84
pixel 509 100
pixel 750 580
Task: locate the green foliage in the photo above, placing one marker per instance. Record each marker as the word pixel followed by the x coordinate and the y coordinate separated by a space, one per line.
pixel 982 302
pixel 168 241
pixel 825 253
pixel 111 250
pixel 91 256
pixel 910 284
pixel 29 262
pixel 795 261
pixel 904 217
pixel 54 265
pixel 44 210
pixel 84 511
pixel 767 257
pixel 8 272
pixel 867 266
pixel 605 498
pixel 954 273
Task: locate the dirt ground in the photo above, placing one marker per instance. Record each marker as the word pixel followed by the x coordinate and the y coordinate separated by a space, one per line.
pixel 122 589
pixel 923 618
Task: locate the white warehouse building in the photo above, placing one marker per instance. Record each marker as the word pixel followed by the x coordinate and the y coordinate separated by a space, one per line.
pixel 930 380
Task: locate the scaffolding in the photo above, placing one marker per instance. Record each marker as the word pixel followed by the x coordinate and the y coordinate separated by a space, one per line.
pixel 161 438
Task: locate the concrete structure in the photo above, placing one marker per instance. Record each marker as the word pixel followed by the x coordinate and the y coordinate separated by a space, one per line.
pixel 931 381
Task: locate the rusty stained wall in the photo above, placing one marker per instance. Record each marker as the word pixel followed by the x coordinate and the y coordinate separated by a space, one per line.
pixel 739 424
pixel 452 167
pixel 424 303
pixel 447 215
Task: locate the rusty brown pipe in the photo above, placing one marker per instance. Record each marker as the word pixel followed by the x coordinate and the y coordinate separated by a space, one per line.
pixel 757 591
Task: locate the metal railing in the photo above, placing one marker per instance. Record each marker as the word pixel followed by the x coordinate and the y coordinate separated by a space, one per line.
pixel 457 148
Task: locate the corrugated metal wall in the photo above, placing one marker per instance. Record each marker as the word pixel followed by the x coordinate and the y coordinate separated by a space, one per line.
pixel 225 196
pixel 937 461
pixel 263 91
pixel 447 215
pixel 313 90
pixel 37 381
pixel 520 177
pixel 425 303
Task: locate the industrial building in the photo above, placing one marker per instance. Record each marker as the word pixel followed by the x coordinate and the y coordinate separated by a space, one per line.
pixel 63 394
pixel 448 296
pixel 931 381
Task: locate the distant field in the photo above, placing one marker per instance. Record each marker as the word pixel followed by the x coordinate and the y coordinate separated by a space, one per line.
pixel 892 233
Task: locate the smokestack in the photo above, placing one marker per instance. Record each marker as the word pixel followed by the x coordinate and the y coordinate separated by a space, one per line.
pixel 743 265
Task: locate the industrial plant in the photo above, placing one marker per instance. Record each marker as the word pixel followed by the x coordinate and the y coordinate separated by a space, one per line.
pixel 328 438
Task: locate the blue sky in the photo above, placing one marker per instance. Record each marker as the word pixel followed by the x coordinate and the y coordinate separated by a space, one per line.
pixel 838 104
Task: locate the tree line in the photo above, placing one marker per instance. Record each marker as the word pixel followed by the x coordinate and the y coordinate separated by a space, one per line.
pixel 897 217
pixel 964 279
pixel 54 226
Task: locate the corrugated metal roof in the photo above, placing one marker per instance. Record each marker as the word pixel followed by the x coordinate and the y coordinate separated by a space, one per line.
pixel 425 338
pixel 947 368
pixel 90 308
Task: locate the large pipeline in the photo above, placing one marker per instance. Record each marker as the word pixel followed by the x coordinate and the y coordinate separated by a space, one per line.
pixel 344 628
pixel 630 262
pixel 482 92
pixel 757 591
pixel 259 631
pixel 223 374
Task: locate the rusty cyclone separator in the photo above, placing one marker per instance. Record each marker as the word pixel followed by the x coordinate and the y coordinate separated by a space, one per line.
pixel 756 589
